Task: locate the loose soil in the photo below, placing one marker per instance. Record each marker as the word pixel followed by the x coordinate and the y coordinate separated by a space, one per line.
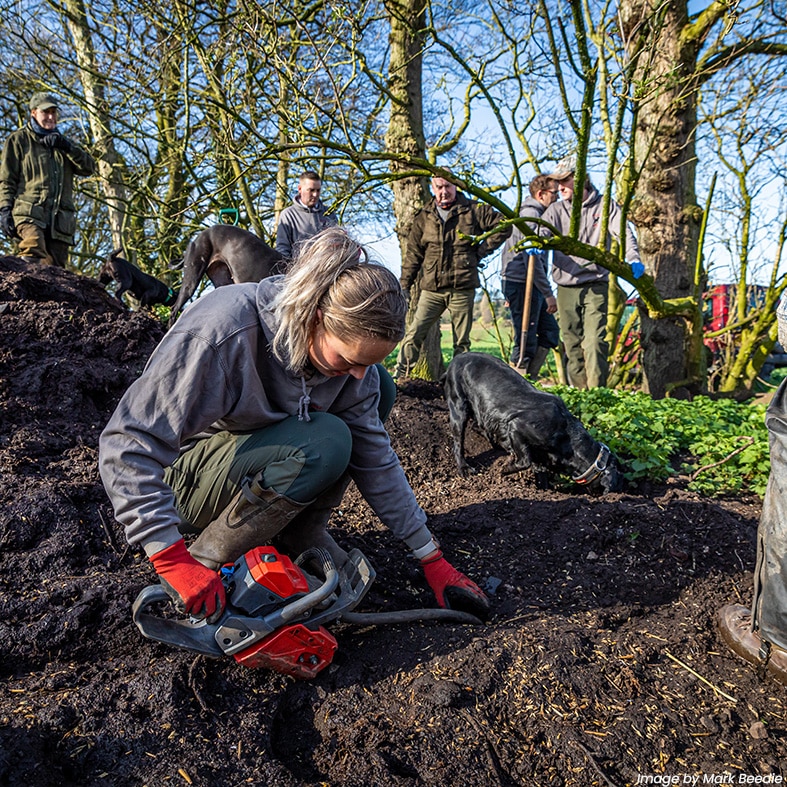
pixel 600 664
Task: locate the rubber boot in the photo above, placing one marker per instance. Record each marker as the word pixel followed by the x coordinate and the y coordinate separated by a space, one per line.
pixel 534 368
pixel 252 518
pixel 310 528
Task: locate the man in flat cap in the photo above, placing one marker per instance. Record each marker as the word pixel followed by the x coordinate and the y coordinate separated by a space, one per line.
pixel 37 172
pixel 582 286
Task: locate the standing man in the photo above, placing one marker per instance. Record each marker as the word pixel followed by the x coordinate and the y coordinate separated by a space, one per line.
pixel 758 633
pixel 582 286
pixel 438 248
pixel 304 218
pixel 543 333
pixel 36 185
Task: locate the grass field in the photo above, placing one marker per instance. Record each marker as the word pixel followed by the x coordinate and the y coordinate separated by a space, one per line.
pixel 483 339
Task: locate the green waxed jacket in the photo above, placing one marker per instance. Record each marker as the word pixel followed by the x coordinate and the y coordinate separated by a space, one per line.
pixel 438 249
pixel 37 182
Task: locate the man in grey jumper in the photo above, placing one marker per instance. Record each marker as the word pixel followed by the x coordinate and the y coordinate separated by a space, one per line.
pixel 582 286
pixel 304 218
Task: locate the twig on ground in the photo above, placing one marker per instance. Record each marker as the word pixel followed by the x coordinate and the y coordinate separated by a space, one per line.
pixel 108 531
pixel 697 675
pixel 596 766
pixel 491 751
pixel 193 686
pixel 749 440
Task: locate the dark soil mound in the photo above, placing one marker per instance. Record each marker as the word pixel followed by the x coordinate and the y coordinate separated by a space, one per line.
pixel 600 664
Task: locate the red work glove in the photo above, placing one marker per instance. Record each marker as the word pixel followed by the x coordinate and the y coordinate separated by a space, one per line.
pixel 193 588
pixel 452 588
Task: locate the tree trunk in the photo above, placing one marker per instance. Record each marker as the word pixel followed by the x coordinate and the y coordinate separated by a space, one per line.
pixel 282 198
pixel 405 136
pixel 170 159
pixel 109 164
pixel 664 208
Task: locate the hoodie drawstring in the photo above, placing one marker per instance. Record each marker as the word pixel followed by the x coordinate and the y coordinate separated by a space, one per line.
pixel 303 403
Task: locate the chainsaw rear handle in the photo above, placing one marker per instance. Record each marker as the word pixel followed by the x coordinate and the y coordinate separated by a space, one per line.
pixel 197 637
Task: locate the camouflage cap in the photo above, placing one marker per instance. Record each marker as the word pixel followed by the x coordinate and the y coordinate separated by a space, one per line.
pixel 43 101
pixel 565 168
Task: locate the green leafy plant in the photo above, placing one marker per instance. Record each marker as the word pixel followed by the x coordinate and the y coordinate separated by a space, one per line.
pixel 720 446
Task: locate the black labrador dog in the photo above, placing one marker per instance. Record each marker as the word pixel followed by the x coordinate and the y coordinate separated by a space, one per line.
pixel 533 426
pixel 228 255
pixel 147 289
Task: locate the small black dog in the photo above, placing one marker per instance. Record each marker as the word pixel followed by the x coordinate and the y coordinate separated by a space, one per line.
pixel 147 289
pixel 228 255
pixel 533 426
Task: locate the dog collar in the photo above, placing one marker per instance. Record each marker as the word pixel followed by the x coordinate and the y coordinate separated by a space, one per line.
pixel 596 469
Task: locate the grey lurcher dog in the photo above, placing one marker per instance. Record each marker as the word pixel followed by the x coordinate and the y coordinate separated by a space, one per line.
pixel 228 255
pixel 534 427
pixel 147 289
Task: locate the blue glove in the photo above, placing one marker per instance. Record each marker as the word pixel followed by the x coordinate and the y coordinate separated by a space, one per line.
pixel 637 269
pixel 534 252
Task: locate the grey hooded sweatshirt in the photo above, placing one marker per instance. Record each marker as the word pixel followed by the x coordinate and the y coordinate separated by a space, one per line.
pixel 570 271
pixel 298 223
pixel 215 371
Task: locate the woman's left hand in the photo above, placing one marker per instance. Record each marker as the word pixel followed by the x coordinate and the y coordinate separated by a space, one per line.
pixel 452 588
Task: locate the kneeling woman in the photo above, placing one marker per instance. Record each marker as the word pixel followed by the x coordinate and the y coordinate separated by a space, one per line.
pixel 252 415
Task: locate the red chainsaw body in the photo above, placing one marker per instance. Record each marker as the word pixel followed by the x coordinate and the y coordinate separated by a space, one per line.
pixel 264 578
pixel 275 571
pixel 294 650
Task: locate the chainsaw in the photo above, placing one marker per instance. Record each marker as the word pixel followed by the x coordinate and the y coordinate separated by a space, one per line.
pixel 276 611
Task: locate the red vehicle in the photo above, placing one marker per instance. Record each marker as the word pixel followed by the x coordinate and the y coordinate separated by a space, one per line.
pixel 719 301
pixel 718 304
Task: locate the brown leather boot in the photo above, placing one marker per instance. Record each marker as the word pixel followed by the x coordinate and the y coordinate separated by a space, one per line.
pixel 735 627
pixel 534 367
pixel 310 529
pixel 252 518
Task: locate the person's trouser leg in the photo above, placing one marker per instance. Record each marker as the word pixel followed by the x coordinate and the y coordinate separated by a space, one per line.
pixel 594 341
pixel 537 361
pixel 547 330
pixel 387 393
pixel 769 609
pixel 569 311
pixel 536 302
pixel 310 528
pixel 59 251
pixel 759 634
pixel 460 306
pixel 430 307
pixel 32 243
pixel 548 337
pixel 514 293
pixel 239 491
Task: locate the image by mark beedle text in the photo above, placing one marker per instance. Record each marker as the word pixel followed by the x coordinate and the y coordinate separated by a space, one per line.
pixel 708 778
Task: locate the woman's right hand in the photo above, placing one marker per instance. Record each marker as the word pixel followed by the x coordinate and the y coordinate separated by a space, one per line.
pixel 194 588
